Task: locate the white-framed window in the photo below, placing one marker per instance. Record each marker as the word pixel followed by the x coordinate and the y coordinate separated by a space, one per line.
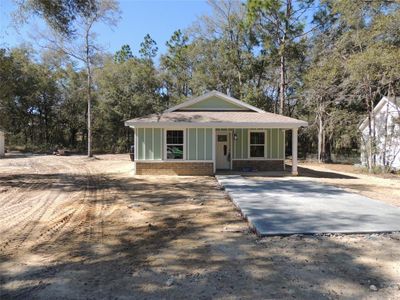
pixel 256 144
pixel 174 144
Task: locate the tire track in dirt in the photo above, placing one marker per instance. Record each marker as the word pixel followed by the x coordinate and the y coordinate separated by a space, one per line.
pixel 50 203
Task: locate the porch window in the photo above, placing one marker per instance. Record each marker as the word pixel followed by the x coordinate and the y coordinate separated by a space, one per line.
pixel 257 144
pixel 175 144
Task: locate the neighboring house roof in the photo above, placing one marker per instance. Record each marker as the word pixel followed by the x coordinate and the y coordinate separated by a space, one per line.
pixel 239 115
pixel 381 104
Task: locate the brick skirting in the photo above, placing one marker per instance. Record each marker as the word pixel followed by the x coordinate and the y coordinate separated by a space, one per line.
pixel 259 165
pixel 174 168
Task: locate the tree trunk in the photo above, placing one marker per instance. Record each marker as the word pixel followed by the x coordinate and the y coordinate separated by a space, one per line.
pixel 89 115
pixel 320 137
pixel 89 94
pixel 282 84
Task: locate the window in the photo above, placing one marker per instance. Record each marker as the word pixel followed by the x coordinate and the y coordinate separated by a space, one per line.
pixel 175 144
pixel 257 144
pixel 222 138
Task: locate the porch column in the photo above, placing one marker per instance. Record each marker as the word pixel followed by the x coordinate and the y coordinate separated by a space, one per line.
pixel 294 151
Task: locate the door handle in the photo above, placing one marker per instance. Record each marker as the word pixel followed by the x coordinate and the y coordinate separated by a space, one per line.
pixel 225 149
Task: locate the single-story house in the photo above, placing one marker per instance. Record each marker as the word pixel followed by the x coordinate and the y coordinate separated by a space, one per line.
pixel 2 146
pixel 209 133
pixel 385 125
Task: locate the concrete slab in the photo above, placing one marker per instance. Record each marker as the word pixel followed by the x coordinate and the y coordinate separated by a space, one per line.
pixel 288 206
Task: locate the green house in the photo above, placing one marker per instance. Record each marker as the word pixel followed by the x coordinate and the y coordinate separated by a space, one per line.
pixel 210 133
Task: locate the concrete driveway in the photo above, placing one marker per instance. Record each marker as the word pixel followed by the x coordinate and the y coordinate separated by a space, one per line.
pixel 288 206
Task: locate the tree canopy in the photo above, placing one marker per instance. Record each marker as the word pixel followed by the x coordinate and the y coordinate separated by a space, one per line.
pixel 328 62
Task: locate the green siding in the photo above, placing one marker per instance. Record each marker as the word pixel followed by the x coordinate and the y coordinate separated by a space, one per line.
pixel 148 138
pixel 157 143
pixel 192 144
pixel 214 103
pixel 150 141
pixel 209 146
pixel 274 143
pixel 241 146
pixel 200 144
pixel 238 144
pixel 245 143
pixel 140 146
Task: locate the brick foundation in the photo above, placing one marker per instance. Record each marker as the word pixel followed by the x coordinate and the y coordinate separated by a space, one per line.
pixel 259 165
pixel 174 168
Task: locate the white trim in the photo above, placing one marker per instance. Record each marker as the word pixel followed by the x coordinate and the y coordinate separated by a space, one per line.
pixel 294 151
pixel 279 155
pixel 144 143
pixel 197 141
pixel 284 149
pixel 136 141
pixel 249 144
pixel 230 125
pixel 214 149
pixel 205 143
pixel 230 148
pixel 241 144
pixel 184 145
pixel 214 94
pixel 270 144
pixel 152 143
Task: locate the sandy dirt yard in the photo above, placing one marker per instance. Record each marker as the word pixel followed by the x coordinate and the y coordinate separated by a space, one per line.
pixel 380 187
pixel 79 228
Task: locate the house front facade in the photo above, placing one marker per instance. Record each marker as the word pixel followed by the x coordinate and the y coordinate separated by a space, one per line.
pixel 210 133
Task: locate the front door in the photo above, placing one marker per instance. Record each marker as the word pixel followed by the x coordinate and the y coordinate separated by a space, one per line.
pixel 223 151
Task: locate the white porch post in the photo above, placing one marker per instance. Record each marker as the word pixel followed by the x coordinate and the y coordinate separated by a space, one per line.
pixel 213 150
pixel 294 151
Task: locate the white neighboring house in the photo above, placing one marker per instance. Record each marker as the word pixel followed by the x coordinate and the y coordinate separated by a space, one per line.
pixel 386 128
pixel 2 150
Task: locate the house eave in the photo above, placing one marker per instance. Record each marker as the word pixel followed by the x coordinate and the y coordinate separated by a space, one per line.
pixel 283 125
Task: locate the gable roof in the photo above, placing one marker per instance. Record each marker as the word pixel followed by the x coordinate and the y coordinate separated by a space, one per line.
pixel 228 119
pixel 236 102
pixel 381 104
pixel 246 116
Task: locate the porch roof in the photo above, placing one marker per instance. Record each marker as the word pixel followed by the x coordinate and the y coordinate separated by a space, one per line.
pixel 230 119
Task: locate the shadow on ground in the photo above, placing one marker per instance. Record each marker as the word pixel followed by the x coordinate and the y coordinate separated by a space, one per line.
pixel 307 172
pixel 146 238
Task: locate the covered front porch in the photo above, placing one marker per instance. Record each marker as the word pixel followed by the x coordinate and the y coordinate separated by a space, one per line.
pixel 253 150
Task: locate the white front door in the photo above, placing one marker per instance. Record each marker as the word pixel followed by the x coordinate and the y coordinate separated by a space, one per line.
pixel 223 150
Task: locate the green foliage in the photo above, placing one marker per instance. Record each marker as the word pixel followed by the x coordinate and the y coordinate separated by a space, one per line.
pixel 126 90
pixel 258 51
pixel 123 55
pixel 148 48
pixel 59 14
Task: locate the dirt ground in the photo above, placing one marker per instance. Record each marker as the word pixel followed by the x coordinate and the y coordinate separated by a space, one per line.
pixel 384 188
pixel 79 228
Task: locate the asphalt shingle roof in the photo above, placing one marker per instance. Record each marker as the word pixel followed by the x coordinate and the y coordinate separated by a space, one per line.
pixel 199 117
